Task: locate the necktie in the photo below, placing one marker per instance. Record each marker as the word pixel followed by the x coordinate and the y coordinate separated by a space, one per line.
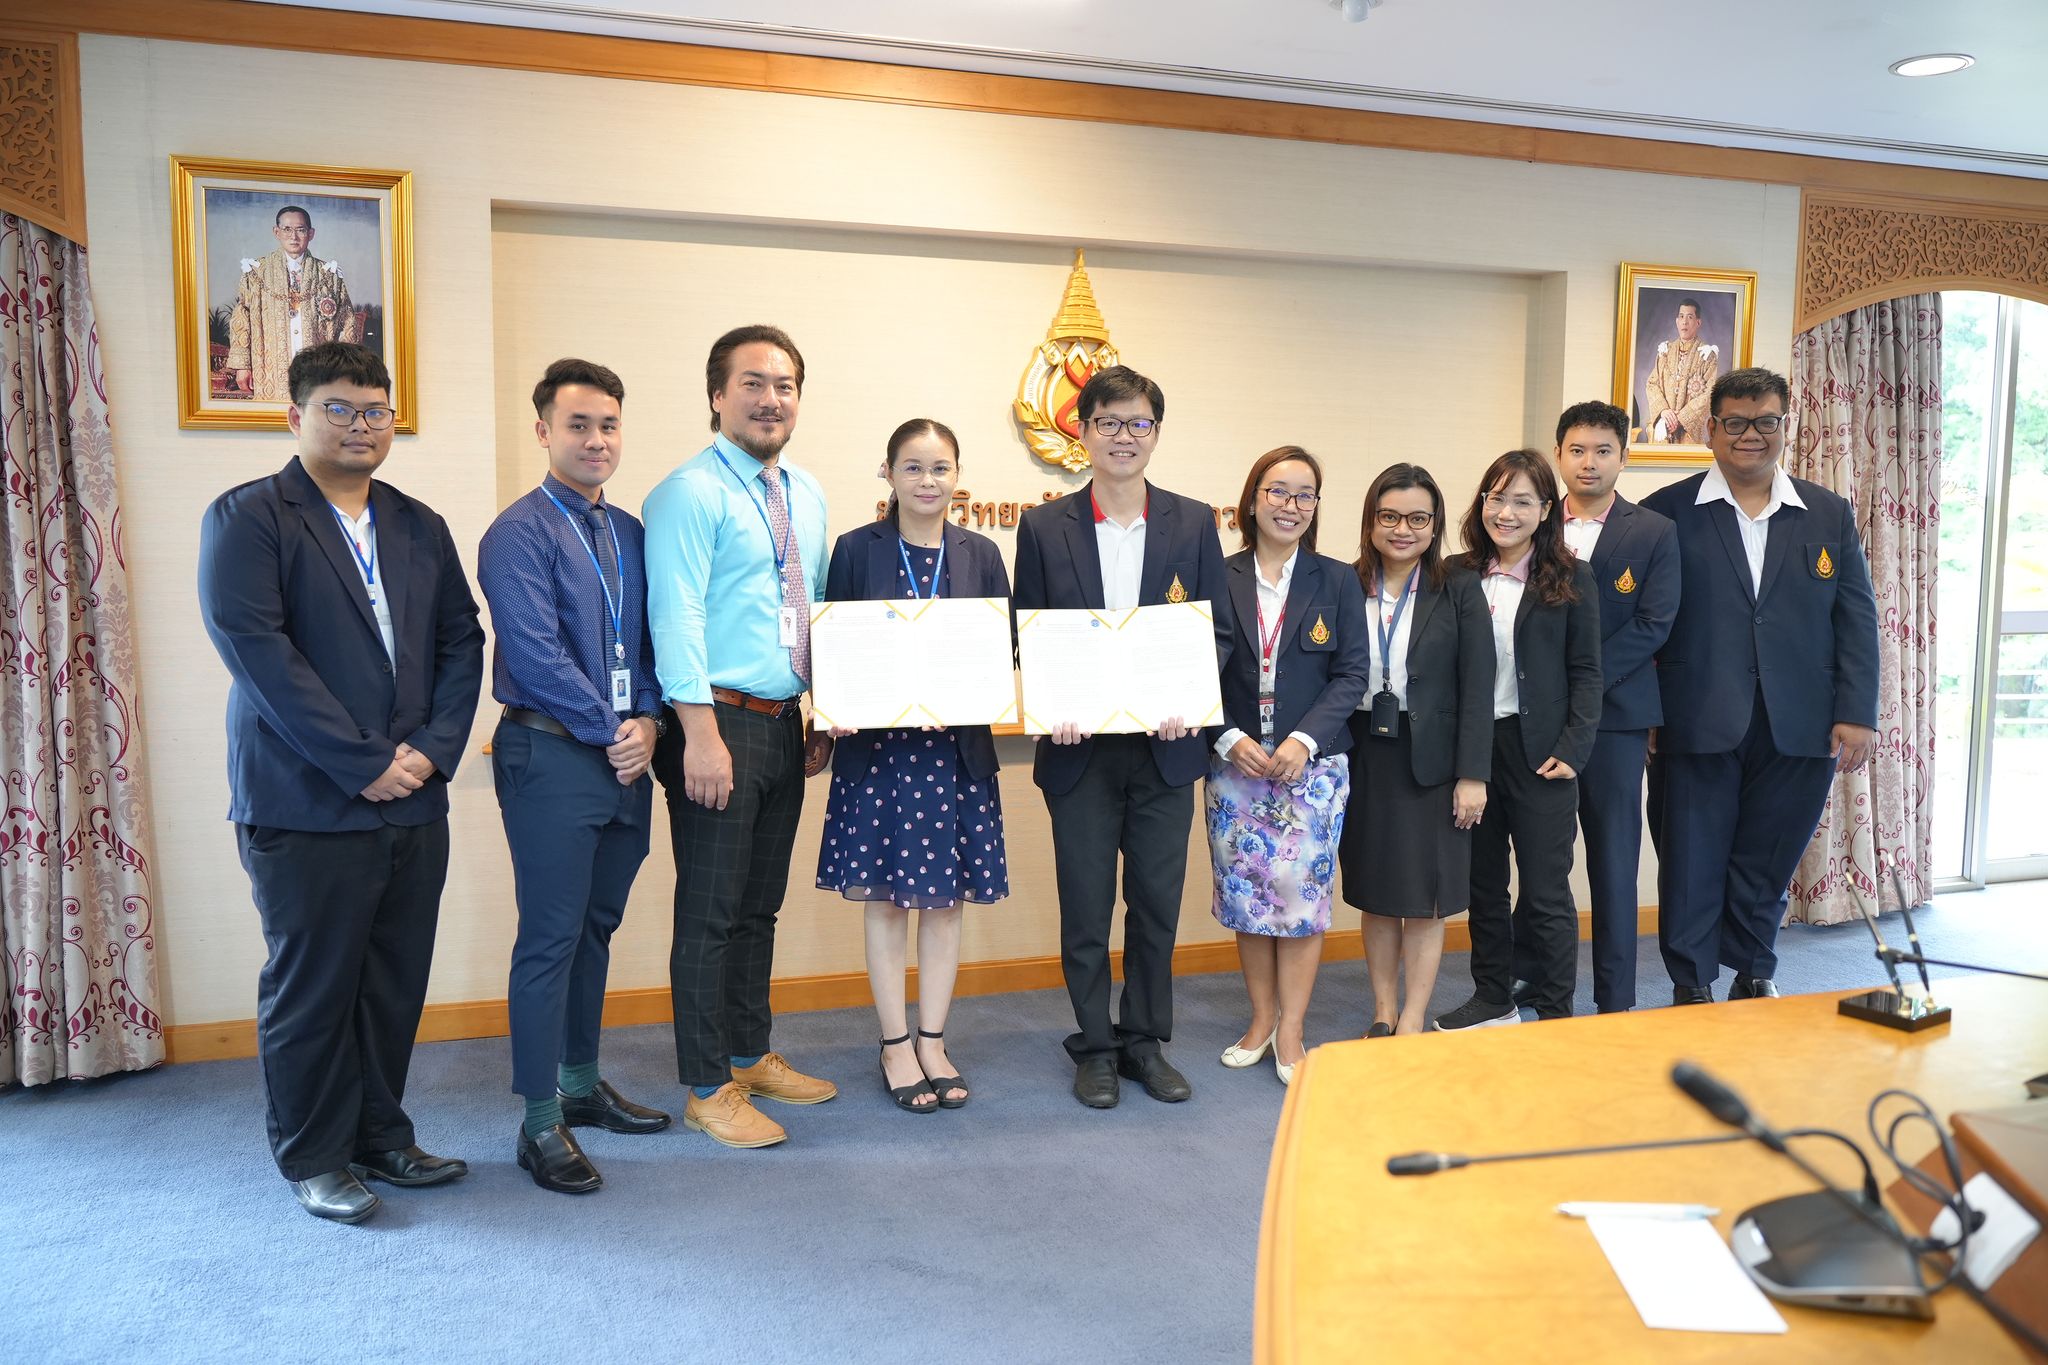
pixel 601 540
pixel 795 595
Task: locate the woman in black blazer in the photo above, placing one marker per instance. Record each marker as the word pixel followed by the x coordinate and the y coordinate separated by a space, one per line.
pixel 1421 745
pixel 1545 615
pixel 1295 668
pixel 915 821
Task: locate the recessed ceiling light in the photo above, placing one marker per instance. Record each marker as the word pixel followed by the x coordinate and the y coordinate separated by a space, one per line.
pixel 1933 64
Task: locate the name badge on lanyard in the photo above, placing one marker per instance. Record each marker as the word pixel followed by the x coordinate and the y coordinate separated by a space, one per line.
pixel 785 625
pixel 1385 722
pixel 622 689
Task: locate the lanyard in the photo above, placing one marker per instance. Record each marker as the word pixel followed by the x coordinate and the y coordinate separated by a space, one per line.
pixel 367 563
pixel 1387 629
pixel 1267 640
pixel 938 570
pixel 615 610
pixel 761 506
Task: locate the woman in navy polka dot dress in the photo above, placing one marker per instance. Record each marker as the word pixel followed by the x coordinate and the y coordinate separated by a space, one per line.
pixel 914 821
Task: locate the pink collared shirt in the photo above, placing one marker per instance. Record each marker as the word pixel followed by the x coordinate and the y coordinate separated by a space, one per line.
pixel 1503 589
pixel 1583 533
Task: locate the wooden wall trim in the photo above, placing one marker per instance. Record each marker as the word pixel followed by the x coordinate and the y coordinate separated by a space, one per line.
pixel 233 1038
pixel 236 22
pixel 42 157
pixel 1861 249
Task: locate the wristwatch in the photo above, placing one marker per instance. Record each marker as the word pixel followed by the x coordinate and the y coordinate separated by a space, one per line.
pixel 660 719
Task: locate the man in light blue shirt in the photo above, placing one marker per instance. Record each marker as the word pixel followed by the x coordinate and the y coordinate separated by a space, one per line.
pixel 735 555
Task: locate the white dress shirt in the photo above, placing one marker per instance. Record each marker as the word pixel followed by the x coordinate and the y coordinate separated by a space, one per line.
pixel 1756 530
pixel 1383 604
pixel 1272 612
pixel 1122 551
pixel 363 531
pixel 1583 533
pixel 1504 589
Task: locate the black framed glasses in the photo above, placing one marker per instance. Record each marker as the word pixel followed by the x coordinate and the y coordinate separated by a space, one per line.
pixel 376 417
pixel 1417 521
pixel 1765 426
pixel 1280 497
pixel 1140 427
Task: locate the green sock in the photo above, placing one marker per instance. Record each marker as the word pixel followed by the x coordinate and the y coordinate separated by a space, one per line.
pixel 578 1080
pixel 542 1115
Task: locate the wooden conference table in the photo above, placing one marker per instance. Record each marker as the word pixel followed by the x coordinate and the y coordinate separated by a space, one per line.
pixel 1476 1265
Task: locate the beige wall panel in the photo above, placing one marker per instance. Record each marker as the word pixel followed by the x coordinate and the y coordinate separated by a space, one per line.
pixel 1472 297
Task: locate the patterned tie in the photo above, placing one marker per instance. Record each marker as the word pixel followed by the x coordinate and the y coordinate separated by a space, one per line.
pixel 794 594
pixel 601 539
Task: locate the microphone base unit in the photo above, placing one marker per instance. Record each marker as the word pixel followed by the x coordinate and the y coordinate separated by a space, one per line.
pixel 1894 1009
pixel 1809 1249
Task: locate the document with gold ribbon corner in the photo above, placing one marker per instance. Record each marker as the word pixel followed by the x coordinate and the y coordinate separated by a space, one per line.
pixel 940 661
pixel 1119 672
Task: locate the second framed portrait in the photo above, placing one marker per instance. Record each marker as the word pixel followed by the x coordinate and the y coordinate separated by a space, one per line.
pixel 270 258
pixel 1676 332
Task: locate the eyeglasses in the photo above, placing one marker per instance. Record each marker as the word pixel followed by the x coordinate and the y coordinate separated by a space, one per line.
pixel 1735 426
pixel 1140 427
pixel 376 417
pixel 1280 497
pixel 1494 503
pixel 913 471
pixel 1417 521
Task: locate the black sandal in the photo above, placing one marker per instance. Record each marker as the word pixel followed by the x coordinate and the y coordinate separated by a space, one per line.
pixel 941 1084
pixel 906 1095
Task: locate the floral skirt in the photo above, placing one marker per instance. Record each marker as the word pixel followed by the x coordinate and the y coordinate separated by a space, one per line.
pixel 1274 848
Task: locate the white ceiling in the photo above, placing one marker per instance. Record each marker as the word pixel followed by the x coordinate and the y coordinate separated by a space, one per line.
pixel 1791 75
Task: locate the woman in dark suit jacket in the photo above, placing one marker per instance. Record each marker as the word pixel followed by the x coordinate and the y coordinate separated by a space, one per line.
pixel 1545 615
pixel 915 821
pixel 1421 745
pixel 1295 668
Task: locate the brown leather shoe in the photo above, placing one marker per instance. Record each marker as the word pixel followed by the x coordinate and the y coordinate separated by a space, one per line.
pixel 728 1116
pixel 774 1078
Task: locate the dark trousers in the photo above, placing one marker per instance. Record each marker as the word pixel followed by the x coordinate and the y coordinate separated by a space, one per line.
pixel 1611 818
pixel 1121 804
pixel 577 839
pixel 1734 828
pixel 1536 815
pixel 732 868
pixel 349 919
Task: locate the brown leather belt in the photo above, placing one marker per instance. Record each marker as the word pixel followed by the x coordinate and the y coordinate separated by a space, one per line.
pixel 535 720
pixel 734 697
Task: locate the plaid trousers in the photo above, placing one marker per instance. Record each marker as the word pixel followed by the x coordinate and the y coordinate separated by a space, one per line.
pixel 732 868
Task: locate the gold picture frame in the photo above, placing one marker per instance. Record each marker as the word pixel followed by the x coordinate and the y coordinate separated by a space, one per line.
pixel 230 280
pixel 1649 322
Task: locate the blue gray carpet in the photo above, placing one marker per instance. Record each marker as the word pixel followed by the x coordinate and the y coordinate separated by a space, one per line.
pixel 143 1218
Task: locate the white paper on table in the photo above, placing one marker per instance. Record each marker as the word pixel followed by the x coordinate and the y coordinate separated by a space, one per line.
pixel 939 661
pixel 1682 1277
pixel 2007 1230
pixel 1119 672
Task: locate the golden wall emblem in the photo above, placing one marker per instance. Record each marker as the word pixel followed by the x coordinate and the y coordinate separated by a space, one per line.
pixel 1825 565
pixel 1075 347
pixel 1175 593
pixel 1319 633
pixel 1627 581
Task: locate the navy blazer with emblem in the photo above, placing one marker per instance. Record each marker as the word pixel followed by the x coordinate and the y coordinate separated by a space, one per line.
pixel 863 569
pixel 1059 568
pixel 1323 657
pixel 1809 636
pixel 317 710
pixel 1636 563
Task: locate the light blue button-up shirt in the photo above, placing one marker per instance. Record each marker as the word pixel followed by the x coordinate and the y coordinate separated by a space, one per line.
pixel 708 543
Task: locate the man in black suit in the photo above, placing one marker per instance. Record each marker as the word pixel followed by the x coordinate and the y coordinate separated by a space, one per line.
pixel 1634 556
pixel 1769 683
pixel 340 609
pixel 1117 543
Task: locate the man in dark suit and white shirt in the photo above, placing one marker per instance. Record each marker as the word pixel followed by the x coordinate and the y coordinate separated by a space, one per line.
pixel 1769 683
pixel 340 608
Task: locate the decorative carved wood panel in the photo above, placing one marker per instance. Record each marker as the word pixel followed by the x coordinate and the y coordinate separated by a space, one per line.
pixel 1856 250
pixel 42 173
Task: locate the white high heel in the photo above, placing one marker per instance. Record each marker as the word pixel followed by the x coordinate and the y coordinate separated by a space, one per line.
pixel 1241 1057
pixel 1286 1070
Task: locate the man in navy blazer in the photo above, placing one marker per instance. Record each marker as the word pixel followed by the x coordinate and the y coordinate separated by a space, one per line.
pixel 341 611
pixel 1769 683
pixel 1116 543
pixel 1633 553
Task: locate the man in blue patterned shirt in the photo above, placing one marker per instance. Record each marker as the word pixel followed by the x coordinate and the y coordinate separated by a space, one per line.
pixel 563 572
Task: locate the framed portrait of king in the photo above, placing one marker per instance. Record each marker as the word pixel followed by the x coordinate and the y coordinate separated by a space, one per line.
pixel 1677 330
pixel 270 258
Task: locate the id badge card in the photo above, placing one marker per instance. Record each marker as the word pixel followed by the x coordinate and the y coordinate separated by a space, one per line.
pixel 622 689
pixel 1386 716
pixel 1266 717
pixel 786 624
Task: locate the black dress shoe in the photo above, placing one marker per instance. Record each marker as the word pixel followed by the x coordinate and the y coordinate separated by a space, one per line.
pixel 1523 993
pixel 1156 1074
pixel 1753 988
pixel 1095 1083
pixel 337 1196
pixel 408 1166
pixel 557 1162
pixel 606 1108
pixel 1692 995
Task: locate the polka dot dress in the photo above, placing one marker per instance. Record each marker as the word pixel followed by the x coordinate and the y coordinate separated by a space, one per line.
pixel 914 829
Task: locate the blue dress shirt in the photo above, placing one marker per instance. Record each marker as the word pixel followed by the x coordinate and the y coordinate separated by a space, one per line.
pixel 549 615
pixel 708 540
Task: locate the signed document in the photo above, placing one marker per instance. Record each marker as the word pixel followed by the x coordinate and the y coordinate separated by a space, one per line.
pixel 906 663
pixel 1119 672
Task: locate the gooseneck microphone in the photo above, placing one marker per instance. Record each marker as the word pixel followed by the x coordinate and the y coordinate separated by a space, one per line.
pixel 1429 1163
